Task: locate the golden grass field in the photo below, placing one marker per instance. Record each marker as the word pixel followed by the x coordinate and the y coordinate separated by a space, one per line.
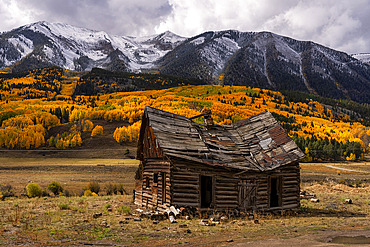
pixel 72 173
pixel 70 221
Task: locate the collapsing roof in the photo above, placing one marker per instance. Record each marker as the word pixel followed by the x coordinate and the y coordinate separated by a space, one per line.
pixel 257 143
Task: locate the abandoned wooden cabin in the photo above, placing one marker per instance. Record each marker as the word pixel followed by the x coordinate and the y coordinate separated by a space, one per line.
pixel 249 165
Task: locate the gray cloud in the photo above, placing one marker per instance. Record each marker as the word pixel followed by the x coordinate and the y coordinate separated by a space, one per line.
pixel 340 24
pixel 129 17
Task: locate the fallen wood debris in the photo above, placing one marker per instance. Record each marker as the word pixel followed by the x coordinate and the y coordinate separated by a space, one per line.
pixel 306 195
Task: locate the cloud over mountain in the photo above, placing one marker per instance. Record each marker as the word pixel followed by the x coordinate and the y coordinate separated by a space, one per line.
pixel 339 24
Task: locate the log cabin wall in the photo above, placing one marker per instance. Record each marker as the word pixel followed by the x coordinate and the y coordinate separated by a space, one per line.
pixel 287 180
pixel 153 179
pixel 232 190
pixel 153 190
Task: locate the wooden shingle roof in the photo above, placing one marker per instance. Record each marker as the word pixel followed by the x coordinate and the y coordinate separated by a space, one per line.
pixel 257 143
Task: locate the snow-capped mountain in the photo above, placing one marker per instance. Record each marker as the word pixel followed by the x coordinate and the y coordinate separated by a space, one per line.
pixel 74 48
pixel 268 60
pixel 261 59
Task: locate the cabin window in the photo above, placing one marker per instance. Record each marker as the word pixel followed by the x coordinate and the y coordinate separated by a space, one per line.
pixel 275 191
pixel 155 178
pixel 163 175
pixel 206 188
pixel 147 182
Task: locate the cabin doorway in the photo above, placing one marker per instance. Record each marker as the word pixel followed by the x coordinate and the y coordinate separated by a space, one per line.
pixel 275 192
pixel 247 189
pixel 206 195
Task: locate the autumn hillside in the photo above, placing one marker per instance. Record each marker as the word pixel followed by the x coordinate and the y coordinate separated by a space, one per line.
pixel 55 109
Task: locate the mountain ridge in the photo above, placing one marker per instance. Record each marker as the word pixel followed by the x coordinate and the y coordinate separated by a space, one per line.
pixel 79 49
pixel 271 61
pixel 230 57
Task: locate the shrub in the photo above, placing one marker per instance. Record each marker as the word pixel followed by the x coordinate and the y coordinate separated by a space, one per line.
pixel 6 191
pixel 64 206
pixel 66 193
pixel 98 130
pixel 33 190
pixel 121 189
pixel 81 192
pixel 111 189
pixel 94 187
pixel 342 181
pixel 55 187
pixel 124 210
pixel 44 193
pixel 87 193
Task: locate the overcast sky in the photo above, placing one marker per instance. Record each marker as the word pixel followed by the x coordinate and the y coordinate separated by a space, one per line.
pixel 340 24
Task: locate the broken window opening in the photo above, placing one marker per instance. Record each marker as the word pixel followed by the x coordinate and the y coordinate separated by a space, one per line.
pixel 147 182
pixel 163 175
pixel 206 195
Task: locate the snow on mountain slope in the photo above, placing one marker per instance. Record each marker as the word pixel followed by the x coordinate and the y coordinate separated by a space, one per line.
pixel 219 51
pixel 77 48
pixel 363 57
pixel 268 60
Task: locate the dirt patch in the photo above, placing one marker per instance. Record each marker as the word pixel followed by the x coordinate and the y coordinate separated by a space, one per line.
pixel 326 238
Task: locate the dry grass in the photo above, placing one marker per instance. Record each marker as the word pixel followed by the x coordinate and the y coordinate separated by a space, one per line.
pixel 71 221
pixel 66 221
pixel 349 171
pixel 72 174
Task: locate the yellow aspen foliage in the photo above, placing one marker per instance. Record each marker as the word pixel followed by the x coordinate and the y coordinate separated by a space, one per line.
pixel 98 130
pixel 221 78
pixel 76 115
pixel 127 134
pixel 307 157
pixel 66 140
pixel 351 157
pixel 18 121
pixel 47 120
pixel 87 125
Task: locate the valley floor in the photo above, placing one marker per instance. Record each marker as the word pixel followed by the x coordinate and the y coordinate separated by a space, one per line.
pixel 110 220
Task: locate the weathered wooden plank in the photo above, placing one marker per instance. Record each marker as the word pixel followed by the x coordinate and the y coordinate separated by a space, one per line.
pixel 226 197
pixel 185 195
pixel 186 204
pixel 230 193
pixel 187 186
pixel 185 200
pixel 288 198
pixel 291 206
pixel 227 206
pixel 177 181
pixel 291 189
pixel 232 187
pixel 291 182
pixel 228 202
pixel 227 181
